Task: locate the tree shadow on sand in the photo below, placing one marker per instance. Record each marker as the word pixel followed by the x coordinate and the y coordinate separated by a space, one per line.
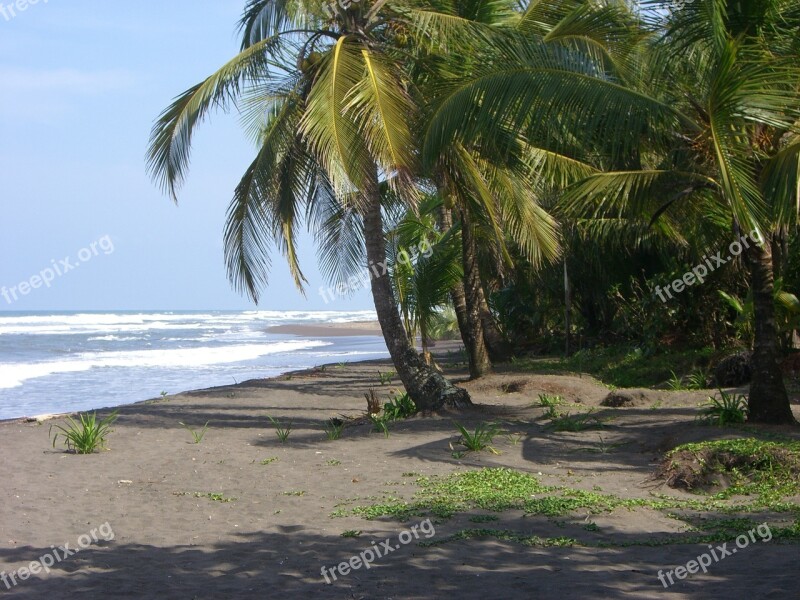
pixel 287 563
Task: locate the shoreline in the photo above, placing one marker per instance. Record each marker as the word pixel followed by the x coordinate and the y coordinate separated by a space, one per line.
pixel 445 348
pixel 363 333
pixel 350 329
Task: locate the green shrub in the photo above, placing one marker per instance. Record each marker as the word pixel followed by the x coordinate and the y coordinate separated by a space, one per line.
pixel 281 431
pixel 386 378
pixel 85 435
pixel 380 423
pixel 198 434
pixel 729 409
pixel 480 439
pixel 549 400
pixel 401 406
pixel 574 423
pixel 333 429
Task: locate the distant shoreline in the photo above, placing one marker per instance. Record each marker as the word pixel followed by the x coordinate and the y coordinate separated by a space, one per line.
pixel 353 329
pixel 113 359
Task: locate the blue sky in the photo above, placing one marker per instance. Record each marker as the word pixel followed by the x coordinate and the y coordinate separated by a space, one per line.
pixel 81 83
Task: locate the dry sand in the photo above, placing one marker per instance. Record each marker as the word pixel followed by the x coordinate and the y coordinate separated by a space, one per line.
pixel 270 543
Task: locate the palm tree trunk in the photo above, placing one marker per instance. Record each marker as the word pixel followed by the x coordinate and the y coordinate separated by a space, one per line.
pixel 428 389
pixel 458 297
pixel 499 349
pixel 479 364
pixel 567 311
pixel 496 346
pixel 769 402
pixel 474 341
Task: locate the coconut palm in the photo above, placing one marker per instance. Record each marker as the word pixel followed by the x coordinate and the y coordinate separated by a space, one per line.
pixel 333 115
pixel 424 265
pixel 731 69
pixel 473 178
pixel 705 112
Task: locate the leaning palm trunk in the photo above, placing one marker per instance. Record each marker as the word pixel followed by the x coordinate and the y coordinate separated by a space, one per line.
pixel 428 389
pixel 479 364
pixel 769 402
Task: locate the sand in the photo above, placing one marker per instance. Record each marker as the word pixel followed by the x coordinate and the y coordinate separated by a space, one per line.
pixel 354 328
pixel 274 538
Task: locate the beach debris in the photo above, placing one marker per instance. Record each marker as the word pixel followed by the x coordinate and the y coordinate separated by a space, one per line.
pixel 43 418
pixel 621 398
pixel 374 406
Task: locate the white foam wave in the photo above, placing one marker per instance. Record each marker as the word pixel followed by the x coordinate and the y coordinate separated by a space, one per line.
pixel 14 374
pixel 117 323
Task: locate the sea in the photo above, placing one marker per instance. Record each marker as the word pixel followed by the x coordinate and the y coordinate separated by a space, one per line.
pixel 78 361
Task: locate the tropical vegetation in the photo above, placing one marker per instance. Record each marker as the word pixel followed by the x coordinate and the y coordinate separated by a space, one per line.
pixel 562 163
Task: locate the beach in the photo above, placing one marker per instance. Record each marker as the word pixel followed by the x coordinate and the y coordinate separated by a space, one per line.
pixel 355 328
pixel 242 515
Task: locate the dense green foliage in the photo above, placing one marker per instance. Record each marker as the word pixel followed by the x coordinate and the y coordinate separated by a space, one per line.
pixel 571 174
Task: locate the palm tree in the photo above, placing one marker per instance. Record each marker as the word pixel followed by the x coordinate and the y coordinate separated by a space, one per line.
pixel 496 177
pixel 727 67
pixel 498 206
pixel 707 112
pixel 444 38
pixel 333 115
pixel 424 265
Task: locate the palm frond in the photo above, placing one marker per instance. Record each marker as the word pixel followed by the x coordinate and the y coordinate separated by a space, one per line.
pixel 171 137
pixel 621 194
pixel 781 182
pixel 262 212
pixel 331 132
pixel 551 87
pixel 384 112
pixel 263 19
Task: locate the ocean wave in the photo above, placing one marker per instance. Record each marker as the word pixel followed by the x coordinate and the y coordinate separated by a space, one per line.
pixel 15 374
pixel 117 323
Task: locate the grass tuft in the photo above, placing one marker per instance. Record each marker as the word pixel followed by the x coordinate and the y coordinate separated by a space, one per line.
pixel 86 435
pixel 281 431
pixel 333 429
pixel 197 434
pixel 480 439
pixel 728 409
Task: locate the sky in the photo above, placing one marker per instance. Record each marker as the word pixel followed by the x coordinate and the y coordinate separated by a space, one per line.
pixel 82 226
